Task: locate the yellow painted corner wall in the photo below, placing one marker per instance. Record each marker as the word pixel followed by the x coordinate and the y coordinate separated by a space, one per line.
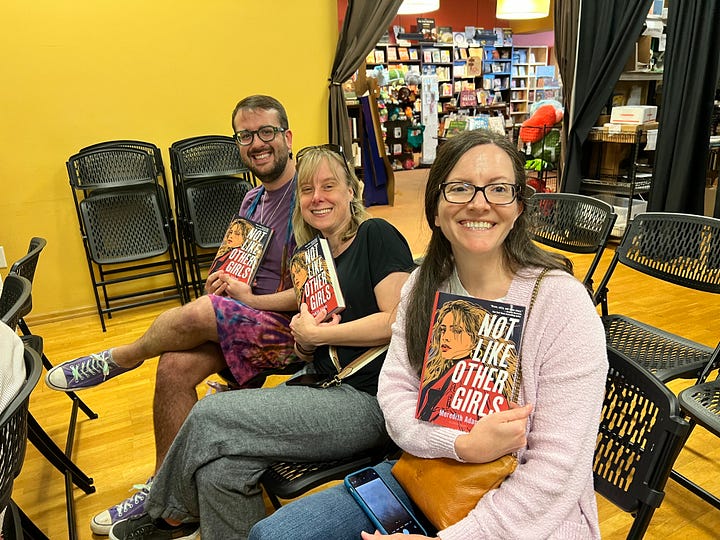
pixel 84 71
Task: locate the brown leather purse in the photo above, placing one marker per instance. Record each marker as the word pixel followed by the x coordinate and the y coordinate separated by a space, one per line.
pixel 446 490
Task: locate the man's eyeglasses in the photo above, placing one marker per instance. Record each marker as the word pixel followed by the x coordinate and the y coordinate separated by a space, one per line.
pixel 335 148
pixel 463 192
pixel 264 133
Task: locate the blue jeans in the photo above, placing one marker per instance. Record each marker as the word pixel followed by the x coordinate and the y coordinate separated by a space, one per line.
pixel 330 514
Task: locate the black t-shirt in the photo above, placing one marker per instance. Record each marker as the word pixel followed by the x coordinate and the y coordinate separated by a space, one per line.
pixel 377 251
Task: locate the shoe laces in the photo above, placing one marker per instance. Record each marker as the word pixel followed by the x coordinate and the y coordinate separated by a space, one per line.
pixel 136 498
pixel 87 368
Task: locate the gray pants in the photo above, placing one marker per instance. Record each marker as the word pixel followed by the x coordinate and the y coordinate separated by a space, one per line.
pixel 212 469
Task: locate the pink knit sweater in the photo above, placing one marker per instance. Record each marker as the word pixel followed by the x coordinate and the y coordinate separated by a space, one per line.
pixel 564 365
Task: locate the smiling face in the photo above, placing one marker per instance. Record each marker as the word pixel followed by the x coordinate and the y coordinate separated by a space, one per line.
pixel 269 161
pixel 478 227
pixel 325 200
pixel 455 340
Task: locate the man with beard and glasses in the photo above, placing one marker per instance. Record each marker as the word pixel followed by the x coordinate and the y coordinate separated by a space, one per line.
pixel 235 326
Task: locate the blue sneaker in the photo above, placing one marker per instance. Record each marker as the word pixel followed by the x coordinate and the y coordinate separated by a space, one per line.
pixel 83 372
pixel 146 528
pixel 130 507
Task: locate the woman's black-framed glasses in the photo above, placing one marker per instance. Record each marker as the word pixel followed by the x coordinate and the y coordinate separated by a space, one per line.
pixel 464 192
pixel 264 133
pixel 335 148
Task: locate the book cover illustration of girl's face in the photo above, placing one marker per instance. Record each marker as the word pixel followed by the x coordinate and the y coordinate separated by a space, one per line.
pixel 235 236
pixel 456 342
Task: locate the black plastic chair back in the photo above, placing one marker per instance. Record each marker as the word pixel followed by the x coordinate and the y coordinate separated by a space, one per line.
pixel 15 300
pixel 124 225
pixel 207 156
pixel 641 434
pixel 26 265
pixel 13 428
pixel 150 148
pixel 211 206
pixel 683 249
pixel 209 182
pixel 574 223
pixel 111 167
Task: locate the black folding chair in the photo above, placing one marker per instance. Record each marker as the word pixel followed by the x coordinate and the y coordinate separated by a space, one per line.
pixel 127 227
pixel 574 223
pixel 680 249
pixel 15 303
pixel 287 480
pixel 641 434
pixel 209 182
pixel 26 267
pixel 701 403
pixel 13 441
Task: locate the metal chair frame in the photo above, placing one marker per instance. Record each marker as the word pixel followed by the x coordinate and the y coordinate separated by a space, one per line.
pixel 209 183
pixel 641 433
pixel 680 249
pixel 574 223
pixel 125 219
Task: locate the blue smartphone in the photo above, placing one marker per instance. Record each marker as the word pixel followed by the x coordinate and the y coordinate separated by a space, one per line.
pixel 382 506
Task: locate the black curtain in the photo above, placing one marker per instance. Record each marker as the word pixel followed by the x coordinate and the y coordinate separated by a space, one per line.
pixel 692 56
pixel 607 33
pixel 365 22
pixel 566 18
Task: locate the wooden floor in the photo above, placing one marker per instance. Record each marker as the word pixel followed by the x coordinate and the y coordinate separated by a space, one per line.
pixel 117 448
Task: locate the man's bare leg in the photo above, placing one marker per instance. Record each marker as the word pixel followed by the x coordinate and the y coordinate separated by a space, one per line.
pixel 178 329
pixel 178 374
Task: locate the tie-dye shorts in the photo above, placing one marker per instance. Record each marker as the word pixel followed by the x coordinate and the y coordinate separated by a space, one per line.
pixel 251 340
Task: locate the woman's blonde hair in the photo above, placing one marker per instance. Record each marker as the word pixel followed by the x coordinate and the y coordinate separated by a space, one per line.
pixel 307 169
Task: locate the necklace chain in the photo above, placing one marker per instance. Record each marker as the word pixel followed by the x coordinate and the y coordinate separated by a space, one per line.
pixel 262 205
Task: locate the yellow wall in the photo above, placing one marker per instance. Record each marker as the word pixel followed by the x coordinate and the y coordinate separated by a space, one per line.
pixel 83 71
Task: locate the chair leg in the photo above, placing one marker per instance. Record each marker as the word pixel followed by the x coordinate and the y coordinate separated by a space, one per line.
pixel 62 462
pixel 77 402
pixel 691 486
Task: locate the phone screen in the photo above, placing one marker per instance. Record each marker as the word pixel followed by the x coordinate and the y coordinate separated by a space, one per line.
pixel 381 504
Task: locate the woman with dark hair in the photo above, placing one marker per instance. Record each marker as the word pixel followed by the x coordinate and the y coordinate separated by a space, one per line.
pixel 480 247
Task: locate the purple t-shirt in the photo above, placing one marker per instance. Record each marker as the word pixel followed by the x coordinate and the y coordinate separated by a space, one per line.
pixel 273 210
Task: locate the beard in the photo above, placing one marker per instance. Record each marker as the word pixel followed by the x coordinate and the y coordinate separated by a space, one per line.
pixel 270 176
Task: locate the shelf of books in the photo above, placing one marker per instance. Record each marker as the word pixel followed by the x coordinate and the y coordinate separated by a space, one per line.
pixel 523 80
pixel 482 80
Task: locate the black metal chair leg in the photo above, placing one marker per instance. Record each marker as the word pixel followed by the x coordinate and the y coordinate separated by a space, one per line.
pixel 77 402
pixel 696 489
pixel 47 447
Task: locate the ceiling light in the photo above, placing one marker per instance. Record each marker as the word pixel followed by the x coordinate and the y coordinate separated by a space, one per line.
pixel 522 9
pixel 418 6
